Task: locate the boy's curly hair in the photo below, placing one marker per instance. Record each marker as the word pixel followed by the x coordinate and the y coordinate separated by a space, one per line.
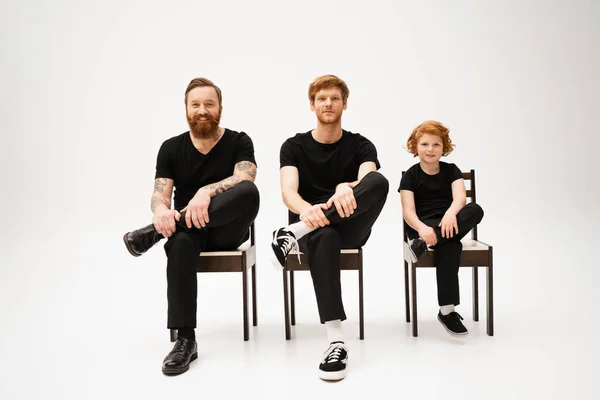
pixel 432 128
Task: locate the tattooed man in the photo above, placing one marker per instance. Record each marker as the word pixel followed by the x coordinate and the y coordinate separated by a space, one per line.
pixel 212 170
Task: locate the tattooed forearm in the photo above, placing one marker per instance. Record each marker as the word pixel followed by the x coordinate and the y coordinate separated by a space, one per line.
pixel 159 185
pixel 158 200
pixel 246 167
pixel 220 187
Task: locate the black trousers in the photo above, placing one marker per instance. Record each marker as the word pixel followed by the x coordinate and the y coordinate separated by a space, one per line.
pixel 323 245
pixel 448 250
pixel 231 213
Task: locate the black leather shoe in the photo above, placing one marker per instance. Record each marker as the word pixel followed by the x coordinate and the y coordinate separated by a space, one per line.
pixel 178 360
pixel 140 241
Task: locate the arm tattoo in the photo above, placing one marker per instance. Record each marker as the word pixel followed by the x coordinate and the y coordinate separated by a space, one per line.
pixel 223 185
pixel 246 167
pixel 159 185
pixel 156 201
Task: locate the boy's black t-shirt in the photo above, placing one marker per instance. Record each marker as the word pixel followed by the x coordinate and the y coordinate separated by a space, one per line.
pixel 433 193
pixel 321 167
pixel 179 160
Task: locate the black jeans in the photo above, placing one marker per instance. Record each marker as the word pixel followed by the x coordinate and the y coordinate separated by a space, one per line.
pixel 231 214
pixel 448 250
pixel 323 245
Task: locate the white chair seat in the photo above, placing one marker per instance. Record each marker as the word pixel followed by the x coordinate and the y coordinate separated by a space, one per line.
pixel 343 251
pixel 238 252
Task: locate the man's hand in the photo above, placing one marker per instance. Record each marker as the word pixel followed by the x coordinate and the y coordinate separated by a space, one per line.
pixel 448 225
pixel 343 199
pixel 196 212
pixel 313 216
pixel 164 221
pixel 428 235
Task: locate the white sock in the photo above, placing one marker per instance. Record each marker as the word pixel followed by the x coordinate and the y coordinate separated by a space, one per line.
pixel 334 330
pixel 445 310
pixel 299 229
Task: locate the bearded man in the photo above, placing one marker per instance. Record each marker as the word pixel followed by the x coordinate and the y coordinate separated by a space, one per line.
pixel 212 170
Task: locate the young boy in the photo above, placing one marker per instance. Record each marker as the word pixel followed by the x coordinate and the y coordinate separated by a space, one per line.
pixel 433 199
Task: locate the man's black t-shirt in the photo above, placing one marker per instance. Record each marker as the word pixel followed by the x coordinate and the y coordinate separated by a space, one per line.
pixel 179 160
pixel 433 193
pixel 321 167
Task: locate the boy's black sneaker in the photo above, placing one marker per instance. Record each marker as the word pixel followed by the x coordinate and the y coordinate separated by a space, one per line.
pixel 452 323
pixel 335 359
pixel 414 249
pixel 283 242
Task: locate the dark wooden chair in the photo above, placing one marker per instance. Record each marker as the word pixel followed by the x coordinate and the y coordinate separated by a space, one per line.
pixel 351 259
pixel 239 260
pixel 475 254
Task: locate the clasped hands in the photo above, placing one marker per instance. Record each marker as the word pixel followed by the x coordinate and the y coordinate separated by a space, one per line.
pixel 343 200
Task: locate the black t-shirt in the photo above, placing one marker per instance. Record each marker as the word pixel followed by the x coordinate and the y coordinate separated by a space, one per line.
pixel 179 160
pixel 321 167
pixel 433 193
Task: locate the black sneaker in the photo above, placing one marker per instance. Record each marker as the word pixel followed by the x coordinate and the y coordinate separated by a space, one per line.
pixel 283 242
pixel 414 249
pixel 335 359
pixel 141 240
pixel 452 323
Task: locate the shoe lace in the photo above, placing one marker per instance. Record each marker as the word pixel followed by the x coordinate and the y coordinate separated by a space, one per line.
pixel 455 317
pixel 288 243
pixel 333 353
pixel 180 346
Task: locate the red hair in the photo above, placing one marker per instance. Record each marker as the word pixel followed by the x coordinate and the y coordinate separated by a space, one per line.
pixel 432 128
pixel 327 81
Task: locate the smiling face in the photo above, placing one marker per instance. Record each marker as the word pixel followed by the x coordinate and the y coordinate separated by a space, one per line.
pixel 203 112
pixel 328 105
pixel 430 148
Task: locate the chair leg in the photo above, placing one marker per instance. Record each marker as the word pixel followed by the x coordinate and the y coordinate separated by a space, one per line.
pixel 490 295
pixel 361 309
pixel 245 299
pixel 406 293
pixel 415 330
pixel 254 308
pixel 475 294
pixel 286 305
pixel 292 298
pixel 173 335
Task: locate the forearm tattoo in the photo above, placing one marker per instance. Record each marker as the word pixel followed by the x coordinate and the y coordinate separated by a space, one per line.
pixel 223 185
pixel 157 200
pixel 159 185
pixel 246 167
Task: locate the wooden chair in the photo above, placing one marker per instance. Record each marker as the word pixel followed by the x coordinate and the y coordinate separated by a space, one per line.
pixel 239 260
pixel 475 254
pixel 350 259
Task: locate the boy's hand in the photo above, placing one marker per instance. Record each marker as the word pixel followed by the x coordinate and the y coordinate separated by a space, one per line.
pixel 428 235
pixel 448 225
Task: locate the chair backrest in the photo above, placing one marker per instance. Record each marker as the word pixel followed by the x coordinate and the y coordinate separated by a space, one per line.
pixel 469 178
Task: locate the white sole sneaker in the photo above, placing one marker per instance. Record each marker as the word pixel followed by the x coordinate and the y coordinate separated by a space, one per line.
pixel 450 332
pixel 275 262
pixel 333 375
pixel 409 255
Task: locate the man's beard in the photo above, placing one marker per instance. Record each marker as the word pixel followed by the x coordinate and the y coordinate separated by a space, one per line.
pixel 204 129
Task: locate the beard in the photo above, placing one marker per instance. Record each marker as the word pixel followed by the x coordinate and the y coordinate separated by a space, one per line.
pixel 204 129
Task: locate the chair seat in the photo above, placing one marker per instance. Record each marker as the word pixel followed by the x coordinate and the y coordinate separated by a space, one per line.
pixel 237 252
pixel 343 251
pixel 474 254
